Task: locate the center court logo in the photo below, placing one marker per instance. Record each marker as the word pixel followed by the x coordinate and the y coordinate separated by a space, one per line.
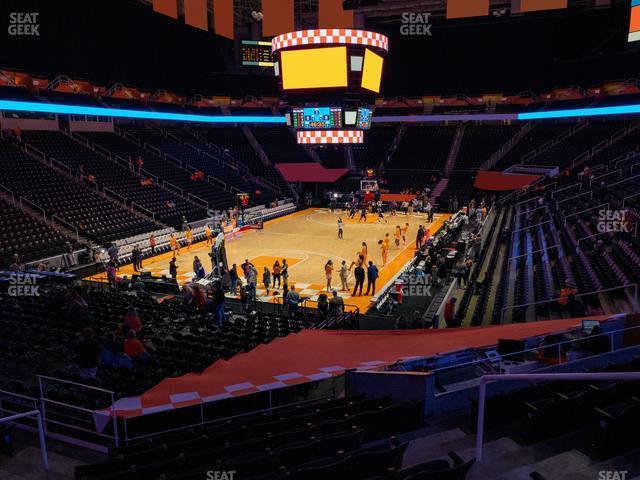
pixel 415 24
pixel 23 285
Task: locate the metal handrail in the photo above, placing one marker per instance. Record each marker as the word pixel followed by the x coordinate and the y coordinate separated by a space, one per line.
pixel 622 181
pixel 197 199
pixel 532 253
pixel 529 211
pixel 43 443
pixel 578 184
pixel 530 227
pixel 172 159
pixel 535 349
pixel 149 174
pixel 211 179
pixel 60 165
pixel 606 205
pixel 597 376
pixel 173 187
pixel 114 194
pixel 148 146
pixel 131 137
pixel 44 400
pixel 55 218
pixel 628 197
pixel 9 192
pixel 126 163
pixel 595 292
pixel 29 147
pixel 574 197
pixel 146 211
pixel 218 420
pixel 33 205
pixel 605 175
pixel 101 149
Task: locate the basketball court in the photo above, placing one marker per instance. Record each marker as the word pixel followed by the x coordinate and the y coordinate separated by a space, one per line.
pixel 307 240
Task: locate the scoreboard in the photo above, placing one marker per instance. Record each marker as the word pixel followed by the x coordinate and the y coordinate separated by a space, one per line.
pixel 316 117
pixel 256 53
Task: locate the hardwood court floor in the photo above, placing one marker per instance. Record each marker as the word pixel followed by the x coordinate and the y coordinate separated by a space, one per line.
pixel 307 239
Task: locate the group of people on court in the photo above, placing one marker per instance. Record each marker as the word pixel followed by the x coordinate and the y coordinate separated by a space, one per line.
pixel 362 269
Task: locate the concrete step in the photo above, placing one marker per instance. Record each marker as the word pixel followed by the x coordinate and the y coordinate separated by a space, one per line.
pixel 501 463
pixel 434 446
pixel 557 466
pixel 617 464
pixel 6 475
pixel 491 450
pixel 27 465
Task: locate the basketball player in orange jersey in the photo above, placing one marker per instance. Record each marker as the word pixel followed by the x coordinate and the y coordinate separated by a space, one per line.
pixel 328 271
pixel 404 233
pixel 398 235
pixel 207 234
pixel 384 246
pixel 175 246
pixel 364 252
pixel 189 235
pixel 358 262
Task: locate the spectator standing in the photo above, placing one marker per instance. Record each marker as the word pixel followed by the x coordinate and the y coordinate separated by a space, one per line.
pixel 136 257
pixel 266 279
pixel 419 237
pixel 252 279
pixel 359 275
pixel 233 276
pixel 173 268
pixel 293 299
pixel 111 274
pixel 450 313
pixel 344 275
pixel 275 271
pixel 284 270
pixel 461 273
pixel 218 304
pixel 113 253
pixel 372 276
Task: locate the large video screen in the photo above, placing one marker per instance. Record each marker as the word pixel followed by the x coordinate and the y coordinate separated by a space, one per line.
pixel 372 71
pixel 317 117
pixel 363 120
pixel 314 68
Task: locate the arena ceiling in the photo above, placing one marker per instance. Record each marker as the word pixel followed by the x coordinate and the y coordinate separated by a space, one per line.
pixel 369 11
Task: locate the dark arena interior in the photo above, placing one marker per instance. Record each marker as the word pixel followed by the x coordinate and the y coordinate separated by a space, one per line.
pixel 319 239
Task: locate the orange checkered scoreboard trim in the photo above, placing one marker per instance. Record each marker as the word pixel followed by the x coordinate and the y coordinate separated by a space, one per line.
pixel 330 136
pixel 325 36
